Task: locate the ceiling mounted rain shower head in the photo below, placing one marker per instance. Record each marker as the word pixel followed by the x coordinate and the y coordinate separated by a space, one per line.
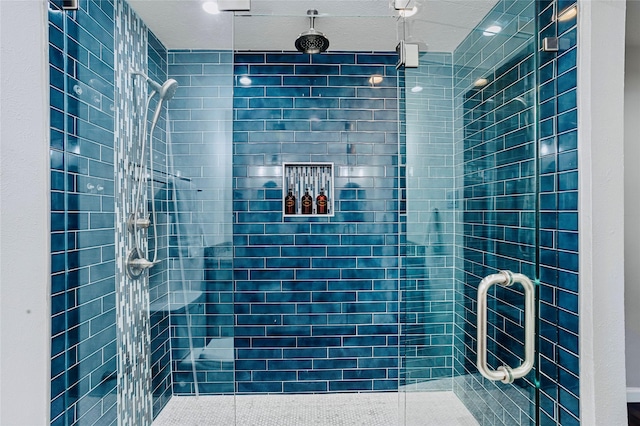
pixel 312 41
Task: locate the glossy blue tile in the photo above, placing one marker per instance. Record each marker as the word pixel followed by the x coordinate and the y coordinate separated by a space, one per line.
pixel 334 58
pixel 305 387
pixel 314 240
pixel 282 102
pixel 568 321
pixel 334 92
pixel 568 301
pixel 567 121
pixel 272 342
pixel 352 385
pixel 567 61
pixel 288 91
pixel 567 141
pixel 317 69
pixel 568 161
pixel 259 387
pixel 568 241
pixel 567 418
pixel 383 58
pixel 311 80
pixel 245 58
pixel 195 57
pixel 365 374
pixel 568 221
pixel 322 103
pixel 567 101
pixel 568 181
pixel 287 58
pixel 267 274
pixel 325 374
pixel 548 201
pixel 320 308
pixel 262 69
pixel 362 103
pixel 566 81
pixel 548 108
pixel 568 200
pixel 363 70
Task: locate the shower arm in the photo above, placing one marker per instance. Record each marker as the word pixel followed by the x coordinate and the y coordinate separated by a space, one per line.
pixel 165 92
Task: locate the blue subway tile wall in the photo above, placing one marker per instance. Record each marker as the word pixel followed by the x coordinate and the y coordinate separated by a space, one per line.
pixel 87 116
pixel 496 217
pixel 558 151
pixel 316 298
pixel 83 345
pixel 427 250
pixel 199 213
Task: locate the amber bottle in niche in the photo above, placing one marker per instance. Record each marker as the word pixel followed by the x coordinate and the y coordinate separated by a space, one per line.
pixel 307 203
pixel 321 203
pixel 290 202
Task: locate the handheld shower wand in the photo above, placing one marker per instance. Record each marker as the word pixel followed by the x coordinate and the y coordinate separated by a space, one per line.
pixel 166 91
pixel 137 263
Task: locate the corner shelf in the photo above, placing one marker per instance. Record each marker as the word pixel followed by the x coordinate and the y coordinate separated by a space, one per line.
pixel 313 176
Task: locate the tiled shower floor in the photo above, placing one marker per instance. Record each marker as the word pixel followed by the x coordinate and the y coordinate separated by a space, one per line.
pixel 342 409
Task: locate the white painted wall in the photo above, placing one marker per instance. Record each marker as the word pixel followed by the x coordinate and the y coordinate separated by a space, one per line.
pixel 25 312
pixel 632 213
pixel 601 156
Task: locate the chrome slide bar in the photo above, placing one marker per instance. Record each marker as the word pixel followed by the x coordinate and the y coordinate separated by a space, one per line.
pixel 505 373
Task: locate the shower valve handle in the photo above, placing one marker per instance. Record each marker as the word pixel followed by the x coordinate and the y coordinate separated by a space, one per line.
pixel 141 263
pixel 143 222
pixel 134 223
pixel 136 264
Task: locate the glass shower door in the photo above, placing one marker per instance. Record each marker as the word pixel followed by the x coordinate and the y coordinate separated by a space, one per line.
pixel 471 179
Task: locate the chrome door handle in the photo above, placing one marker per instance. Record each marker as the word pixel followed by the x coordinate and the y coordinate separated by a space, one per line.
pixel 505 373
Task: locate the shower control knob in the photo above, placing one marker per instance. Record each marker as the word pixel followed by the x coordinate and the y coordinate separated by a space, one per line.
pixel 134 223
pixel 141 263
pixel 136 264
pixel 143 223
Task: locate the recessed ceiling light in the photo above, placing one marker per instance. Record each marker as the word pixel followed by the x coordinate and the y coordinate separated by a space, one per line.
pixel 416 89
pixel 481 82
pixel 211 7
pixel 245 81
pixel 492 30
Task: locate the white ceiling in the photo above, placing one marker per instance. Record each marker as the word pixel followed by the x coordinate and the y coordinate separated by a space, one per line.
pixel 350 25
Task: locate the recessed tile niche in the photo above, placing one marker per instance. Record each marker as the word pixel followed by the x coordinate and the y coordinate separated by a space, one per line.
pixel 312 178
